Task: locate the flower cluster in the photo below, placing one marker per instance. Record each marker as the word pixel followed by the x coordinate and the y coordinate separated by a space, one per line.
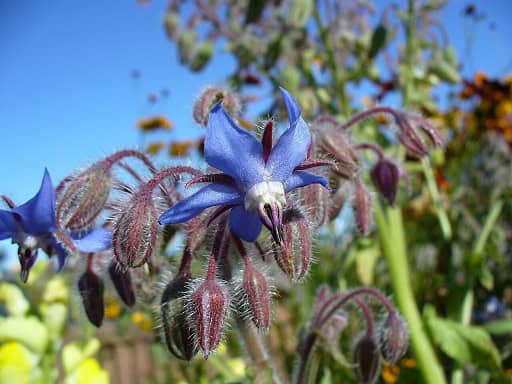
pixel 115 214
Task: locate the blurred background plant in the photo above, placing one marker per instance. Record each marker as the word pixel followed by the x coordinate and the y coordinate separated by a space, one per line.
pixel 443 251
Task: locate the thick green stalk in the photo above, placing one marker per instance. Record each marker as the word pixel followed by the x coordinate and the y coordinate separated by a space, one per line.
pixel 392 240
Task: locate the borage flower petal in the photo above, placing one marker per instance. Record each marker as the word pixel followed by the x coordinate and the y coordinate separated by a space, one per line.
pixel 38 214
pixel 247 225
pixel 232 149
pixel 98 240
pixel 8 224
pixel 300 179
pixel 292 147
pixel 209 196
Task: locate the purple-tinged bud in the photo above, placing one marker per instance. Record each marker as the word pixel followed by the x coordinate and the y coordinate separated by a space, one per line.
pixel 367 360
pixel 393 338
pixel 27 258
pixel 255 288
pixel 293 254
pixel 135 231
pixel 316 203
pixel 91 289
pixel 178 333
pixel 336 144
pixel 122 280
pixel 332 328
pixel 84 198
pixel 385 176
pixel 362 208
pixel 210 97
pixel 338 198
pixel 210 302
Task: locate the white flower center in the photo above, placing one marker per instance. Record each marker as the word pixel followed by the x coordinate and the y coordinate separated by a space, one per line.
pixel 265 193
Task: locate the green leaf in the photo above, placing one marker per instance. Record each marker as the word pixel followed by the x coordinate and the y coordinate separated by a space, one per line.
pixel 449 340
pixel 479 339
pixel 499 327
pixel 378 42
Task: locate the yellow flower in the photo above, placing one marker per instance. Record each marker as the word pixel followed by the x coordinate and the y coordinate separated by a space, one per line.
pixel 142 321
pixel 112 308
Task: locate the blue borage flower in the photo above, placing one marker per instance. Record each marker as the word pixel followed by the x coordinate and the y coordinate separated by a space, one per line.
pixel 256 176
pixel 33 226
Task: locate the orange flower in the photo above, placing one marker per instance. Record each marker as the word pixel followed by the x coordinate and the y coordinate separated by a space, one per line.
pixel 154 148
pixel 181 148
pixel 154 123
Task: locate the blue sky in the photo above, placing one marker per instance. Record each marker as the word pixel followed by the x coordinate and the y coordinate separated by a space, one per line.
pixel 66 93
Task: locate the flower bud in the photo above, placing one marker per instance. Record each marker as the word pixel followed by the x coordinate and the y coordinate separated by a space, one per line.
pixel 84 198
pixel 337 145
pixel 202 56
pixel 367 360
pixel 186 44
pixel 385 176
pixel 210 303
pixel 210 97
pixel 362 208
pixel 172 24
pixel 255 288
pixel 293 254
pixel 177 331
pixel 122 280
pixel 91 289
pixel 135 232
pixel 316 202
pixel 393 338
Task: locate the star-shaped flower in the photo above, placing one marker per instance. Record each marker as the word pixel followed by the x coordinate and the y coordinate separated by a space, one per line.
pixel 256 175
pixel 33 226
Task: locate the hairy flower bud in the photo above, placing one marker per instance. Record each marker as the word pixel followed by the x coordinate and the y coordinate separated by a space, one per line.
pixel 255 288
pixel 135 231
pixel 316 203
pixel 385 176
pixel 177 331
pixel 293 254
pixel 393 338
pixel 186 43
pixel 122 280
pixel 362 208
pixel 367 360
pixel 91 289
pixel 210 97
pixel 210 302
pixel 84 198
pixel 201 56
pixel 337 145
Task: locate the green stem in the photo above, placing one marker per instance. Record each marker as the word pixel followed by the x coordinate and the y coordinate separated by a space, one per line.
pixel 265 373
pixel 478 248
pixel 442 216
pixel 339 83
pixel 392 239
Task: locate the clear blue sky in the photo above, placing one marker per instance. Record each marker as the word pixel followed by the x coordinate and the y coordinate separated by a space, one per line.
pixel 66 93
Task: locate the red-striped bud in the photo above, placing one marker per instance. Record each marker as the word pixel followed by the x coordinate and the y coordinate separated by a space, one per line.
pixel 84 198
pixel 91 289
pixel 135 231
pixel 362 208
pixel 177 331
pixel 393 337
pixel 210 97
pixel 122 280
pixel 255 288
pixel 210 302
pixel 293 254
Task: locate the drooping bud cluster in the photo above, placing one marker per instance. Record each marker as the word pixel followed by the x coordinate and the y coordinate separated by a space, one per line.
pixel 389 341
